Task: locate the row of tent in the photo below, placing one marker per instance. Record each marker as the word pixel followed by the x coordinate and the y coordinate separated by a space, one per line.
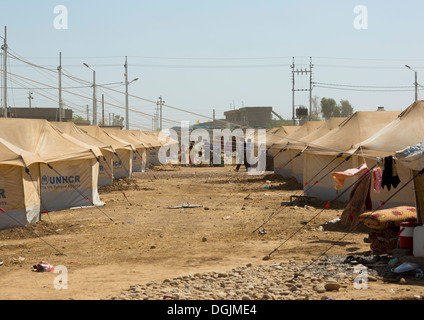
pixel 314 150
pixel 50 166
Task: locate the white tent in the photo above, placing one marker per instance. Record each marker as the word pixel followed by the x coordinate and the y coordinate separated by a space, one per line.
pixel 324 150
pixel 282 159
pixel 156 145
pixel 295 147
pixel 106 161
pixel 69 176
pixel 19 186
pixel 139 151
pixel 406 130
pixel 413 158
pixel 122 159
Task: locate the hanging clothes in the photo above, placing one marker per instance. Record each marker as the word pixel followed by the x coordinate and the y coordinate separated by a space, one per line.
pixel 390 177
pixel 340 177
pixel 378 177
pixel 359 200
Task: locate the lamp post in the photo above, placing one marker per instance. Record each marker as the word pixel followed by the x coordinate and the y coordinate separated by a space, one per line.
pixel 160 104
pixel 127 110
pixel 416 81
pixel 94 95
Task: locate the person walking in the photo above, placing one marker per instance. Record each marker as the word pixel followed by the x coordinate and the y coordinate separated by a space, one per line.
pixel 245 162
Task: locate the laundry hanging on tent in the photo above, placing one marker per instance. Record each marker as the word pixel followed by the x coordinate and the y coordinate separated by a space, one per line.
pixel 378 177
pixel 390 177
pixel 359 201
pixel 340 177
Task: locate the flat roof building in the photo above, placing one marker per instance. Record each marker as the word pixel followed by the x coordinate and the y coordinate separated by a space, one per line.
pixel 251 117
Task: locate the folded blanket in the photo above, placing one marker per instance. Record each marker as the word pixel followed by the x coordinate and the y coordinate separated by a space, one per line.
pixel 388 218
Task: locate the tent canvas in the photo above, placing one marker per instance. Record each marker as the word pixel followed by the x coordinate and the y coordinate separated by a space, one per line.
pixel 276 134
pixel 139 152
pixel 148 141
pixel 358 127
pixel 413 158
pixel 122 158
pixel 404 131
pixel 19 186
pixel 294 147
pixel 105 162
pixel 154 152
pixel 69 176
pixel 281 157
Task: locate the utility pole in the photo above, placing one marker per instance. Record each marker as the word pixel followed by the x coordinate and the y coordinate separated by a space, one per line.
pixel 127 83
pixel 127 116
pixel 88 113
pixel 160 103
pixel 30 97
pixel 293 118
pixel 103 109
pixel 60 87
pixel 94 95
pixel 416 81
pixel 4 47
pixel 301 72
pixel 94 99
pixel 310 88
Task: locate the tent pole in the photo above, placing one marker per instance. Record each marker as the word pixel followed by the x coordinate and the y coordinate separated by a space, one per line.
pixel 419 196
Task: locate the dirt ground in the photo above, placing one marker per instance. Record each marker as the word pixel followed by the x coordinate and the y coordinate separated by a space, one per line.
pixel 136 238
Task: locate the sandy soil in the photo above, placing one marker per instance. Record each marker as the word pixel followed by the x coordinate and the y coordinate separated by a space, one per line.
pixel 136 238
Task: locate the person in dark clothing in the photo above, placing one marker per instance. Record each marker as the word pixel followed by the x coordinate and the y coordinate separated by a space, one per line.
pixel 190 154
pixel 246 164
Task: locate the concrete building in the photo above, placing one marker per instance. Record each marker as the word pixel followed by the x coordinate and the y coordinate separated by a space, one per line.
pixel 49 114
pixel 251 117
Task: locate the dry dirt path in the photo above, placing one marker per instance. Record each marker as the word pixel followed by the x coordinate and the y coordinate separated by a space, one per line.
pixel 146 241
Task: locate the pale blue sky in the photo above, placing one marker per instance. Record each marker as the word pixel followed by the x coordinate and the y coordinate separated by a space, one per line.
pixel 204 55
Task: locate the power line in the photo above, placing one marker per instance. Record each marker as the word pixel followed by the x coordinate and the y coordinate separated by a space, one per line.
pixel 364 90
pixel 362 86
pixel 118 84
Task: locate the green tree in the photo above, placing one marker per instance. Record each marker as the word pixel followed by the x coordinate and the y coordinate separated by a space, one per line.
pixel 329 108
pixel 346 108
pixel 78 119
pixel 118 121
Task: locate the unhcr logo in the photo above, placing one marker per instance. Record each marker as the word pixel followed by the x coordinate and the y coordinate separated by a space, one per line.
pixel 45 180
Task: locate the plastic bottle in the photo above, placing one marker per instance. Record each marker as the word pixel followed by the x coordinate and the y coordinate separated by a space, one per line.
pixel 419 241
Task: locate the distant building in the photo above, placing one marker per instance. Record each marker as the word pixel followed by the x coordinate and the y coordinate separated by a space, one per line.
pixel 251 117
pixel 50 114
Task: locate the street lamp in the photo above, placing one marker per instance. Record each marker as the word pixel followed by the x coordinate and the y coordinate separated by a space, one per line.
pixel 159 104
pixel 127 115
pixel 127 120
pixel 416 81
pixel 94 95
